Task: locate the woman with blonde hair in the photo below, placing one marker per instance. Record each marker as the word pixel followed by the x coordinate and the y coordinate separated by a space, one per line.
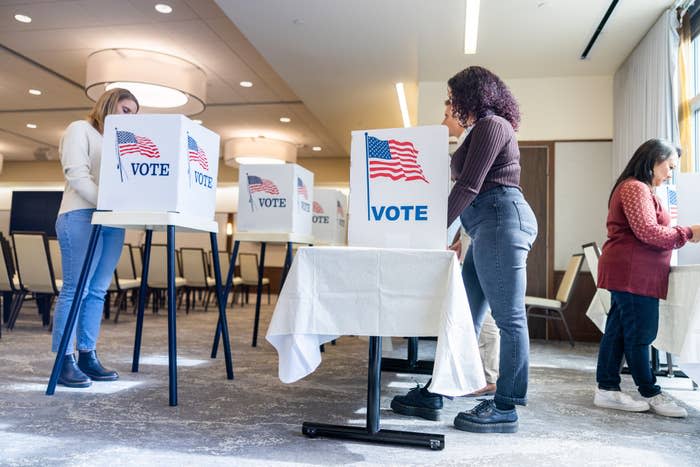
pixel 80 150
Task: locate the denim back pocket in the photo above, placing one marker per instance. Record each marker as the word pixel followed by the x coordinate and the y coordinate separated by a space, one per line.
pixel 528 221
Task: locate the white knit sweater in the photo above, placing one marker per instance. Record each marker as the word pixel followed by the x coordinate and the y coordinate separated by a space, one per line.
pixel 80 150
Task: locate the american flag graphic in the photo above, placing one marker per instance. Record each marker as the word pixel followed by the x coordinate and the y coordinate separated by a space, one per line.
pixel 317 208
pixel 197 154
pixel 129 143
pixel 339 209
pixel 301 188
pixel 397 160
pixel 673 203
pixel 261 185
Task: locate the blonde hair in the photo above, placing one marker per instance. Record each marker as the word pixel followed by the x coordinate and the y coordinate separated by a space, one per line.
pixel 107 104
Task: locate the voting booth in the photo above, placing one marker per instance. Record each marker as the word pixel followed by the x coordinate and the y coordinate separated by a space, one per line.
pixel 399 188
pixel 158 163
pixel 157 172
pixel 275 198
pixel 688 208
pixel 329 219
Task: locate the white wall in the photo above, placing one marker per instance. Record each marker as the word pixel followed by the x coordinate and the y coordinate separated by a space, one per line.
pixel 582 181
pixel 557 108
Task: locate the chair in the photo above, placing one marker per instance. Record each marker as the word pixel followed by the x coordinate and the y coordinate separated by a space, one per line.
pixel 224 263
pixel 554 309
pixel 9 283
pixel 158 273
pixel 35 271
pixel 55 250
pixel 250 273
pixel 124 280
pixel 592 253
pixel 195 272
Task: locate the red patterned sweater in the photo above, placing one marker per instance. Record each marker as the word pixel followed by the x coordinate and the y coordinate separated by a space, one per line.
pixel 636 257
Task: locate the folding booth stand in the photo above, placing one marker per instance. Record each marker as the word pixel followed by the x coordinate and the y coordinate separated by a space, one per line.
pixel 148 221
pixel 263 238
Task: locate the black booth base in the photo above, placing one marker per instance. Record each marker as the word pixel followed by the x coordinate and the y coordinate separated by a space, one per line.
pixel 404 438
pixel 401 365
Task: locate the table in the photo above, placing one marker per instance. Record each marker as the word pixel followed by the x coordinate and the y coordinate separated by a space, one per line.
pixel 679 317
pixel 376 292
pixel 149 221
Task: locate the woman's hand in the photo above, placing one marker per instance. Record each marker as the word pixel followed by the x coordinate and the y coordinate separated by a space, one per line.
pixel 457 245
pixel 696 233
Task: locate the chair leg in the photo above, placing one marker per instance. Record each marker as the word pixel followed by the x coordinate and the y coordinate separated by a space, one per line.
pixel 566 327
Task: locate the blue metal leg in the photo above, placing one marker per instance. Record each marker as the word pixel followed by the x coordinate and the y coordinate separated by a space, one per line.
pixel 221 300
pixel 75 306
pixel 142 301
pixel 287 265
pixel 261 271
pixel 227 290
pixel 172 335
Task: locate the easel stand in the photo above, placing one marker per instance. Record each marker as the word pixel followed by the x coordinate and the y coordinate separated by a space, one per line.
pixel 371 432
pixel 264 238
pixel 149 222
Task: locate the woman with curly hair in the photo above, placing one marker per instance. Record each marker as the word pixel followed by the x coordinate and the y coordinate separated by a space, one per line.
pixel 502 227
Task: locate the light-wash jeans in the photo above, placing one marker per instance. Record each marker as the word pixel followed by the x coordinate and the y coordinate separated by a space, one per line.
pixel 73 230
pixel 502 228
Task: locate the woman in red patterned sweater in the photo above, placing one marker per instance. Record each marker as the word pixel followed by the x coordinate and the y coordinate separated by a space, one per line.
pixel 634 266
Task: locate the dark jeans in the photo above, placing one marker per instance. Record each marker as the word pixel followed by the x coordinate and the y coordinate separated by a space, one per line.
pixel 502 228
pixel 630 329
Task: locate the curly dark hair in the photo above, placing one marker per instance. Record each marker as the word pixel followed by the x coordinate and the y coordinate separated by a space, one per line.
pixel 477 92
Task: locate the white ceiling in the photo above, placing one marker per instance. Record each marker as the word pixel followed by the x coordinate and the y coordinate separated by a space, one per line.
pixel 330 65
pixel 64 32
pixel 342 58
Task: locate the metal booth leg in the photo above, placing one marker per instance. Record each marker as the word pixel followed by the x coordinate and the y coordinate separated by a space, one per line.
pixel 172 335
pixel 221 300
pixel 287 265
pixel 411 364
pixel 75 306
pixel 371 433
pixel 227 290
pixel 142 301
pixel 261 270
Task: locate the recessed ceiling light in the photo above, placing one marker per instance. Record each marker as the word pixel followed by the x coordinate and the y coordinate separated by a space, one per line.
pixel 23 18
pixel 163 8
pixel 471 26
pixel 197 121
pixel 246 84
pixel 31 125
pixel 285 119
pixel 35 92
pixel 403 106
pixel 316 148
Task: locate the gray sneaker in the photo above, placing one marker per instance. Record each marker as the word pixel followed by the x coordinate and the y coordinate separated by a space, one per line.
pixel 618 400
pixel 662 404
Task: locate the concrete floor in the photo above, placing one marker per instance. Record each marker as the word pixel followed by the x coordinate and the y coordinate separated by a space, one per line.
pixel 256 420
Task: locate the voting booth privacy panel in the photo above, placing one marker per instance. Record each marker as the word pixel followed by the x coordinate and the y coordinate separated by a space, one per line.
pixel 399 188
pixel 328 219
pixel 158 163
pixel 275 198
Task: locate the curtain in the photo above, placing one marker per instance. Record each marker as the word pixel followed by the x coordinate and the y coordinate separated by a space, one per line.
pixel 684 116
pixel 645 92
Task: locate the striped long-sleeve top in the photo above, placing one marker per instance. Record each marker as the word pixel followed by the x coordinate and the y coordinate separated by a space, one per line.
pixel 489 157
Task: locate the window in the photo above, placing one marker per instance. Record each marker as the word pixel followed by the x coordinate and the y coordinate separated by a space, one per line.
pixel 693 70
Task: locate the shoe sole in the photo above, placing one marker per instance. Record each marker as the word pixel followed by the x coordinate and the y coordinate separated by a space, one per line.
pixel 618 407
pixel 75 385
pixel 506 427
pixel 103 378
pixel 422 412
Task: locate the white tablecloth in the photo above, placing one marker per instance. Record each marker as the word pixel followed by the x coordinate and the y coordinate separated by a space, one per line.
pixel 334 291
pixel 679 317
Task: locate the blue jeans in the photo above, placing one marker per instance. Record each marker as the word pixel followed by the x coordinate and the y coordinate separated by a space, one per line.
pixel 73 230
pixel 502 228
pixel 630 329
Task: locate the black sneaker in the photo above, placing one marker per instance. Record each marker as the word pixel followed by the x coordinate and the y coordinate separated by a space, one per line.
pixel 487 418
pixel 419 402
